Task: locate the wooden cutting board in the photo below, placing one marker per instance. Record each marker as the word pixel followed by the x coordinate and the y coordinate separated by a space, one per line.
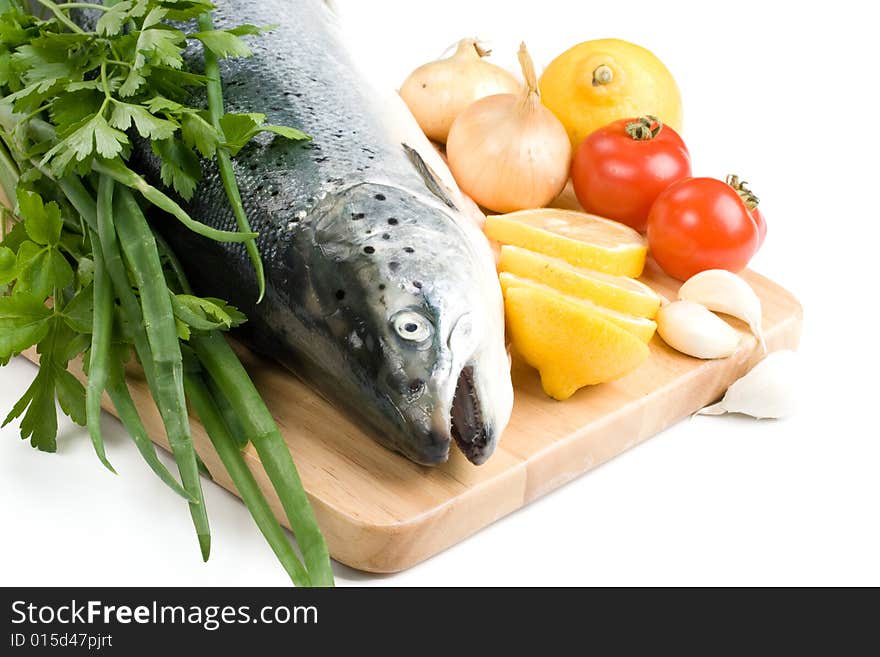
pixel 382 513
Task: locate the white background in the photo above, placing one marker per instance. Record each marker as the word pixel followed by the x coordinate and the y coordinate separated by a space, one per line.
pixel 783 93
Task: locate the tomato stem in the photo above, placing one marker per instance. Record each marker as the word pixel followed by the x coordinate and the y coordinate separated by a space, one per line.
pixel 644 128
pixel 746 194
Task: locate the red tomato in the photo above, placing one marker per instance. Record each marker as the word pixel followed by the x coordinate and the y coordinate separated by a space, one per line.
pixel 751 202
pixel 699 224
pixel 619 170
pixel 761 224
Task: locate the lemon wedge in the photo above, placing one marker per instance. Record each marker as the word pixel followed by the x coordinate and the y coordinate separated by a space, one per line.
pixel 568 341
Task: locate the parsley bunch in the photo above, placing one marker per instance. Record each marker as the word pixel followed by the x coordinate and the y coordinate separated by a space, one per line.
pixel 84 276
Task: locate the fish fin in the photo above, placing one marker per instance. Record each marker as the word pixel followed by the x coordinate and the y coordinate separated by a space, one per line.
pixel 432 181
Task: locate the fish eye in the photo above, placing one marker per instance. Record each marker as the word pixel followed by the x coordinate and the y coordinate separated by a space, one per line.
pixel 412 326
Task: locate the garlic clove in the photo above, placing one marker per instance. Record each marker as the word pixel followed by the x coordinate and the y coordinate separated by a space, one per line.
pixel 694 330
pixel 725 292
pixel 769 390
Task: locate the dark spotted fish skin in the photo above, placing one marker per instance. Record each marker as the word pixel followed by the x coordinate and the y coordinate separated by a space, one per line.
pixel 378 292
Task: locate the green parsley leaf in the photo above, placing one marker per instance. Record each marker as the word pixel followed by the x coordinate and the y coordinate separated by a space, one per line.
pixel 184 10
pixel 40 422
pixel 40 269
pixel 7 74
pixel 148 126
pixel 158 42
pixel 43 63
pixel 158 104
pixel 78 312
pixel 70 348
pixel 8 268
pixel 15 237
pixel 174 83
pixel 198 133
pixel 183 332
pixel 30 96
pixel 33 270
pixel 223 43
pixel 41 221
pixel 74 106
pixel 24 321
pixel 113 19
pixel 250 30
pixel 205 314
pixel 94 136
pixel 180 166
pixel 239 129
pixel 133 81
pixel 71 396
pixel 85 271
pixel 108 141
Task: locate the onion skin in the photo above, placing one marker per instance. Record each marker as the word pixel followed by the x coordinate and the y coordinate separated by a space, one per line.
pixel 437 92
pixel 508 152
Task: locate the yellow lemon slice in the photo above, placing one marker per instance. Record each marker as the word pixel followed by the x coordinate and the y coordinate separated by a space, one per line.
pixel 626 295
pixel 583 240
pixel 640 327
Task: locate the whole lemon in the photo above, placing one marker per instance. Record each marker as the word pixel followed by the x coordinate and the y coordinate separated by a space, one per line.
pixel 597 82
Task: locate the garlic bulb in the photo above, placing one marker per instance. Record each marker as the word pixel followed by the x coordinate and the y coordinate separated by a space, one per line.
pixel 725 292
pixel 694 330
pixel 769 390
pixel 509 152
pixel 437 92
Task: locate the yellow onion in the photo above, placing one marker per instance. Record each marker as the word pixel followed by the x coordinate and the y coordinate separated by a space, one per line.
pixel 437 92
pixel 508 152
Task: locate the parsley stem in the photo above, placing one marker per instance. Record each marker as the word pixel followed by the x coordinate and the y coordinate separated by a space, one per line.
pixel 38 111
pixel 108 95
pixel 83 5
pixel 122 174
pixel 8 176
pixel 214 90
pixel 61 16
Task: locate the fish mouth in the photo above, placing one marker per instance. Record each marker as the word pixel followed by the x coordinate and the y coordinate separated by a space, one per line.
pixel 468 427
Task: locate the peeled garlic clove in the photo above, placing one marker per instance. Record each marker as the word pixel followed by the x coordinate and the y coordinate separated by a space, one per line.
pixel 769 390
pixel 725 292
pixel 694 330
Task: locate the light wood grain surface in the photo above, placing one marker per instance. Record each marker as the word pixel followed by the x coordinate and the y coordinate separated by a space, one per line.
pixel 383 513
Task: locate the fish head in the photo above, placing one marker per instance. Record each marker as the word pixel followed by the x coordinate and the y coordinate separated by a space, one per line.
pixel 424 324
